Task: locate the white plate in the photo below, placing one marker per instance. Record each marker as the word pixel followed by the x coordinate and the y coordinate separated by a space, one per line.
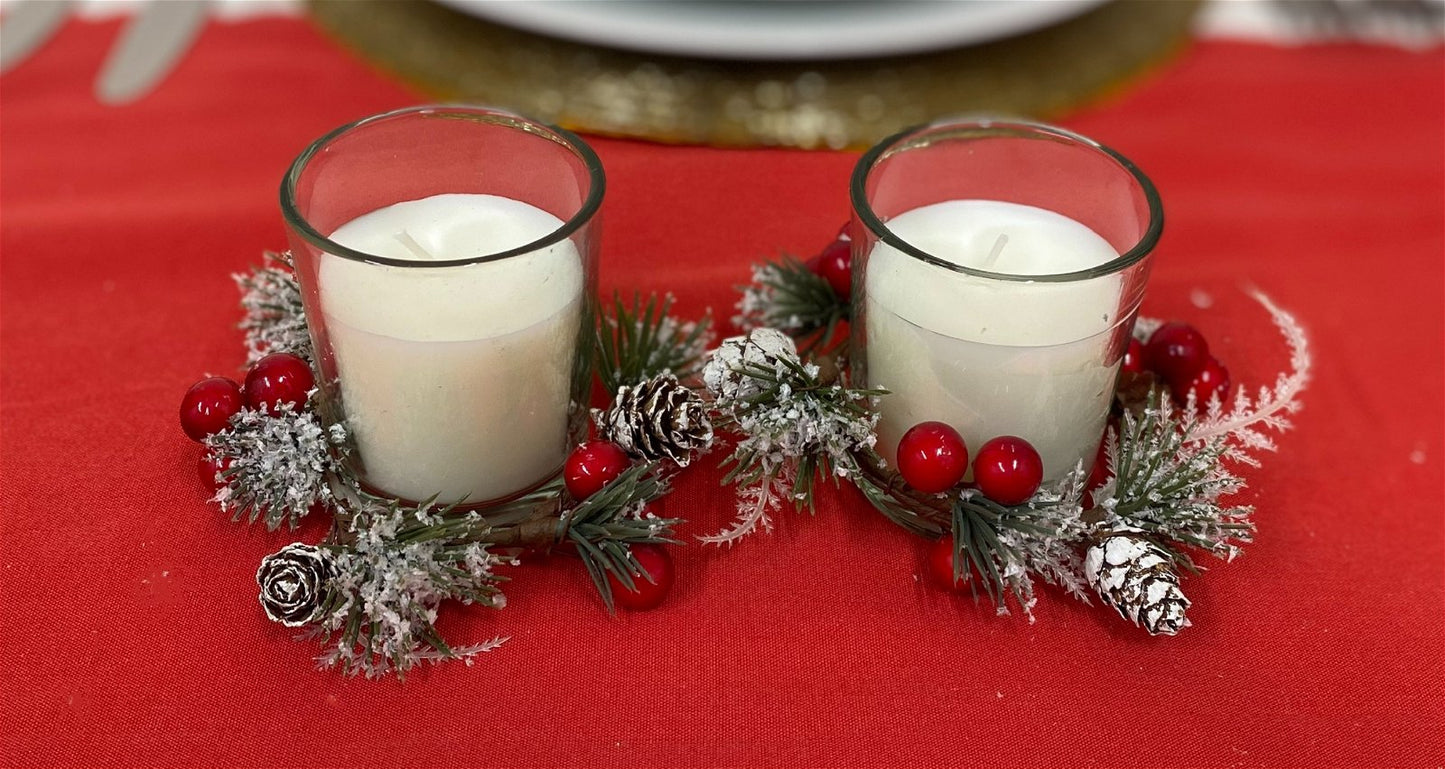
pixel 777 29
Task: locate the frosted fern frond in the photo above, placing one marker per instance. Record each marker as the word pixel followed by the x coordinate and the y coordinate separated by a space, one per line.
pixel 276 466
pixel 1247 424
pixel 275 315
pixel 756 502
pixel 400 563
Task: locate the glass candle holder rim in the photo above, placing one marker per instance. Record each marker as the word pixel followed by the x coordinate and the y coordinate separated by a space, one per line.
pixel 857 191
pixel 596 177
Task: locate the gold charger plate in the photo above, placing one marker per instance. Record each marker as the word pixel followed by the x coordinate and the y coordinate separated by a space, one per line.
pixel 452 56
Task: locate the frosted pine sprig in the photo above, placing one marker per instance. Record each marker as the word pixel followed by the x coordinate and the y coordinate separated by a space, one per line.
pixel 398 564
pixel 606 525
pixel 275 315
pixel 641 340
pixel 276 466
pixel 794 427
pixel 788 296
pixel 1003 548
pixel 1045 532
pixel 1171 484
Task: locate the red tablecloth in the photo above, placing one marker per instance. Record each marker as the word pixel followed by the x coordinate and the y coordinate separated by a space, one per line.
pixel 130 627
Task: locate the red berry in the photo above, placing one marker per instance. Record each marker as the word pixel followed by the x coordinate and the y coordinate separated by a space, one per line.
pixel 1133 362
pixel 932 457
pixel 940 565
pixel 1176 352
pixel 657 564
pixel 208 406
pixel 1008 470
pixel 593 465
pixel 835 265
pixel 1211 380
pixel 276 379
pixel 209 467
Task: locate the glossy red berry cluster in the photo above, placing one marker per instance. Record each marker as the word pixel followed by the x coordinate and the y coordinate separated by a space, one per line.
pixel 591 466
pixel 646 593
pixel 940 565
pixel 1179 355
pixel 207 407
pixel 278 378
pixel 1008 470
pixel 932 457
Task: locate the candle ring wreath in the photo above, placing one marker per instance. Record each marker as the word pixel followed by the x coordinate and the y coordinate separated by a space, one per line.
pixel 1122 530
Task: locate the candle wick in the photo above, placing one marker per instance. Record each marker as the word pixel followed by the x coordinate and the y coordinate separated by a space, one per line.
pixel 994 253
pixel 411 245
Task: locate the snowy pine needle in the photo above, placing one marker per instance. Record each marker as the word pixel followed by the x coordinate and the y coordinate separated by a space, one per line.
pixel 1169 483
pixel 275 316
pixel 606 525
pixel 276 467
pixel 794 427
pixel 398 564
pixel 999 549
pixel 640 341
pixel 788 296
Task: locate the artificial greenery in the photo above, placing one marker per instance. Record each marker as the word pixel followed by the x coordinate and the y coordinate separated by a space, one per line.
pixel 1169 489
pixel 370 592
pixel 640 340
pixel 606 525
pixel 794 426
pixel 789 296
pixel 274 320
pixel 1169 484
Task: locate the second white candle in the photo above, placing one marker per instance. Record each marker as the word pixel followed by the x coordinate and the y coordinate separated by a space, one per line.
pixel 993 357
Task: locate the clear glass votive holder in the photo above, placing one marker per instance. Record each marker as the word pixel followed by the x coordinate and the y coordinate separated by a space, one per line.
pixel 447 257
pixel 997 270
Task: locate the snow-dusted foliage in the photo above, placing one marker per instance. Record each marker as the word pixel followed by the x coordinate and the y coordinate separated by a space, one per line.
pixel 276 466
pixel 275 316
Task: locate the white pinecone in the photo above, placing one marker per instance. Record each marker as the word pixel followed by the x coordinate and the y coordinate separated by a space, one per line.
pixel 657 419
pixel 723 376
pixel 1137 577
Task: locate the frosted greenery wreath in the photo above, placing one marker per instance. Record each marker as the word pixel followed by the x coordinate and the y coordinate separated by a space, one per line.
pixel 1122 530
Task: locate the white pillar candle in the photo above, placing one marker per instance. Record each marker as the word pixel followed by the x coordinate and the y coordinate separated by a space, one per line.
pixel 454 380
pixel 993 357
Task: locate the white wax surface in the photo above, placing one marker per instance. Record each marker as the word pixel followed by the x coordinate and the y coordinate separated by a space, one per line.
pixel 454 380
pixel 993 357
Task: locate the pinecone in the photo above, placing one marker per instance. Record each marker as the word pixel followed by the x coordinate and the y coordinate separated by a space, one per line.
pixel 295 583
pixel 725 375
pixel 1136 577
pixel 657 419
